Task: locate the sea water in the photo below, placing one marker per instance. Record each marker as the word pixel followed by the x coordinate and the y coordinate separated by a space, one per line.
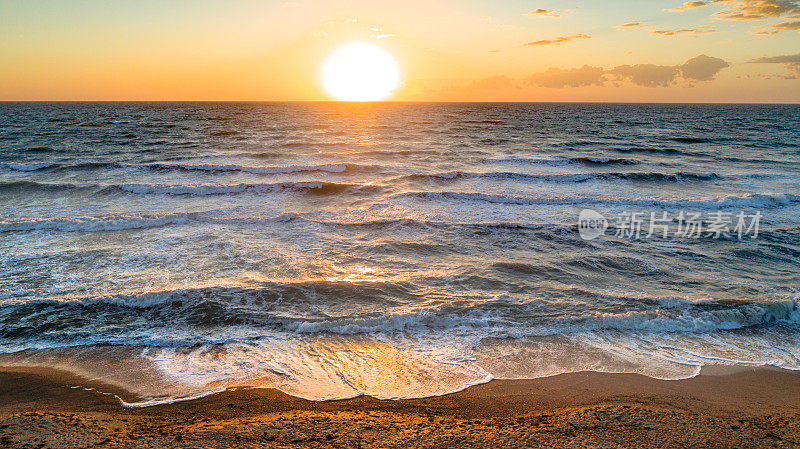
pixel 396 250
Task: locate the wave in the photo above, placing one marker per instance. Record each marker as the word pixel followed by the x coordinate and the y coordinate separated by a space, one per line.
pixel 41 149
pixel 586 160
pixel 225 133
pixel 496 317
pixel 51 165
pixel 116 222
pixel 32 186
pixel 565 177
pixel 259 170
pixel 396 152
pixel 210 168
pixel 26 167
pixel 310 187
pixel 261 155
pixel 755 160
pixel 652 150
pixel 132 221
pixel 699 317
pixel 604 161
pixel 753 200
pixel 119 222
pixel 667 177
pixel 689 139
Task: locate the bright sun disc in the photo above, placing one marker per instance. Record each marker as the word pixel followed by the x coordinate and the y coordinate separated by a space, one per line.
pixel 360 72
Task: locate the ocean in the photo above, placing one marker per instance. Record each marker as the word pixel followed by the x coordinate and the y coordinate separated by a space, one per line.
pixel 395 249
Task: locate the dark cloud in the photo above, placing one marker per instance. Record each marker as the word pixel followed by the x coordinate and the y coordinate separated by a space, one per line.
pixel 699 68
pixel 791 62
pixel 560 39
pixel 702 68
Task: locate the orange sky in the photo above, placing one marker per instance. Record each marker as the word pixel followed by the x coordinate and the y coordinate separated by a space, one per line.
pixel 447 50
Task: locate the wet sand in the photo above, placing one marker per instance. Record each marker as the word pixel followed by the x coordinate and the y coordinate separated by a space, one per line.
pixel 751 407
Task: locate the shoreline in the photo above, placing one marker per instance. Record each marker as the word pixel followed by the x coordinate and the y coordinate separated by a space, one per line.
pixel 129 399
pixel 738 406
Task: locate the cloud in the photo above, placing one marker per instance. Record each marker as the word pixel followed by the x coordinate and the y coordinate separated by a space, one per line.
pixel 702 68
pixel 776 28
pixel 546 12
pixel 778 59
pixel 687 6
pixel 791 62
pixel 649 75
pixel 750 10
pixel 560 39
pixel 699 68
pixel 583 76
pixel 683 31
pixel 794 26
pixel 757 9
pixel 689 31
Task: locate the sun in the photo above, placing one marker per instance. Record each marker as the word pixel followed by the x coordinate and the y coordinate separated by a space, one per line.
pixel 360 72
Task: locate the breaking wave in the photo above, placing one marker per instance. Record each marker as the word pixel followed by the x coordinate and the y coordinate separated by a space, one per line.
pixel 567 178
pixel 753 200
pixel 310 187
pixel 502 316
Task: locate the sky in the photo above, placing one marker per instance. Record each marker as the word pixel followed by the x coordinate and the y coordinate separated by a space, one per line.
pixel 502 50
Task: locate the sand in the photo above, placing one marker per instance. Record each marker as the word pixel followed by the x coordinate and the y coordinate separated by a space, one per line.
pixel 720 408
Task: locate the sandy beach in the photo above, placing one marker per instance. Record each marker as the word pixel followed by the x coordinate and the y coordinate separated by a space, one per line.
pixel 750 407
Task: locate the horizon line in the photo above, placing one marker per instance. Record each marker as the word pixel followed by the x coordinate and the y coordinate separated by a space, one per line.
pixel 408 102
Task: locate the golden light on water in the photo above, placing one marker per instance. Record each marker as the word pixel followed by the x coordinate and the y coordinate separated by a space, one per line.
pixel 356 273
pixel 360 72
